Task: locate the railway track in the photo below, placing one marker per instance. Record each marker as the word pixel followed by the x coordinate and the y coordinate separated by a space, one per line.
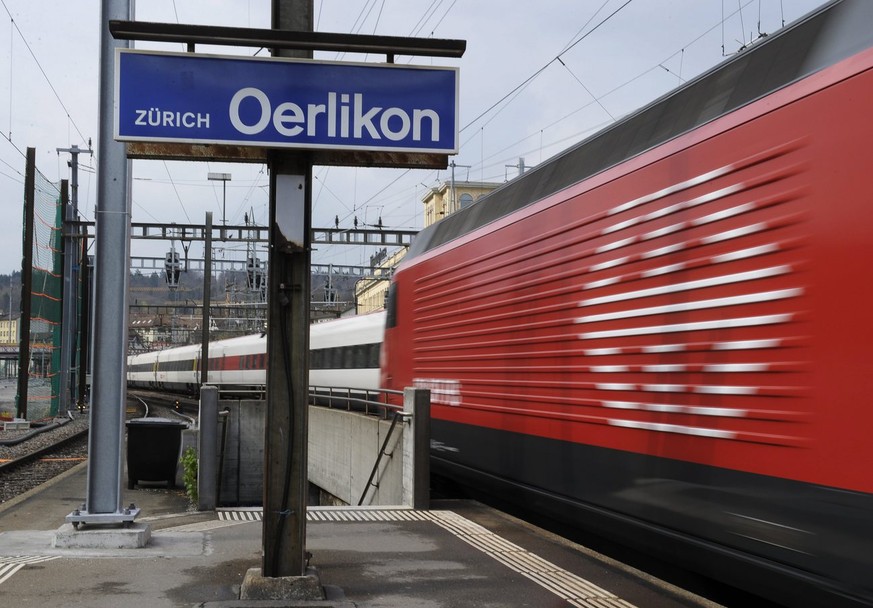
pixel 37 459
pixel 30 458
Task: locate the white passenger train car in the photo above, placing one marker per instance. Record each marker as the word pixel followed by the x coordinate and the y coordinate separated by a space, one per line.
pixel 343 353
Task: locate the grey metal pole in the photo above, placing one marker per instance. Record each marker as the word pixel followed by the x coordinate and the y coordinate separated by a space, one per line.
pixel 68 305
pixel 207 301
pixel 85 325
pixel 452 208
pixel 69 322
pixel 207 497
pixel 103 502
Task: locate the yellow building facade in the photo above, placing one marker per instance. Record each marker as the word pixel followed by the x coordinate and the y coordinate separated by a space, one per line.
pixel 8 332
pixel 449 197
pixel 371 293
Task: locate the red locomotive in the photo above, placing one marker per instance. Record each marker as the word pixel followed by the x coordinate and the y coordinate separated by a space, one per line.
pixel 663 333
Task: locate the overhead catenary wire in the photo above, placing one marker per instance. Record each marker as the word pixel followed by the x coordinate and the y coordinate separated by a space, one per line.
pixel 584 25
pixel 144 209
pixel 445 14
pixel 181 204
pixel 14 179
pixel 546 65
pixel 429 13
pixel 434 5
pixel 639 75
pixel 11 58
pixel 42 71
pixel 255 183
pixel 513 93
pixel 587 90
pixel 379 16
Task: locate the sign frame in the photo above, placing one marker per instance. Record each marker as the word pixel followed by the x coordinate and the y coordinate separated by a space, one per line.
pixel 122 132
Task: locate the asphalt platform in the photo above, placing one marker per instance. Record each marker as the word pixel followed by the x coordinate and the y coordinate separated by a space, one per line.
pixel 458 554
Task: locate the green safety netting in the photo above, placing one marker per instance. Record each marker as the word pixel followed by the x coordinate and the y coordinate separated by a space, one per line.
pixel 45 318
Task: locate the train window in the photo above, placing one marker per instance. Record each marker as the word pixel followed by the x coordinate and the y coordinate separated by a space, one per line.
pixel 355 356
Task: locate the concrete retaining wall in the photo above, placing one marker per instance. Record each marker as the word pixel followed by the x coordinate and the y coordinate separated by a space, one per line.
pixel 343 447
pixel 242 480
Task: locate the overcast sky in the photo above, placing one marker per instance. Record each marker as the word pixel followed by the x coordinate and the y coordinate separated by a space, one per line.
pixel 615 56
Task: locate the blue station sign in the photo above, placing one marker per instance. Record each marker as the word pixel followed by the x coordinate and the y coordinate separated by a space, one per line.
pixel 284 103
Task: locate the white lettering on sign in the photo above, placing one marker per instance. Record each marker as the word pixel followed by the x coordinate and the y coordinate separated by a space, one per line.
pixel 343 112
pixel 155 117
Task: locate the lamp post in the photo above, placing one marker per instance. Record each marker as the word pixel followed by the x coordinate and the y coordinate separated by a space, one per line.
pixel 223 178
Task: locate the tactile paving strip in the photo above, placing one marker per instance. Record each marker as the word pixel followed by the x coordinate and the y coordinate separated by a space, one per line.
pixel 574 589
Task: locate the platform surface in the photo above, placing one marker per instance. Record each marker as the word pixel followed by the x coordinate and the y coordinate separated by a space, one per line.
pixel 458 554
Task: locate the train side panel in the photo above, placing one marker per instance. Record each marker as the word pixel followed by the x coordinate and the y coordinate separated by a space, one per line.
pixel 681 339
pixel 238 362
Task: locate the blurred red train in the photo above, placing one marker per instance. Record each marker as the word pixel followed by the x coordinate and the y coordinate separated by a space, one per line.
pixel 663 334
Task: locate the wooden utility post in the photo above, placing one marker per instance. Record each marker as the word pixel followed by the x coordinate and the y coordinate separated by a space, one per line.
pixel 26 283
pixel 285 475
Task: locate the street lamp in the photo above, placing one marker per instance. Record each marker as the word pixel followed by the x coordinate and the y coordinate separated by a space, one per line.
pixel 223 178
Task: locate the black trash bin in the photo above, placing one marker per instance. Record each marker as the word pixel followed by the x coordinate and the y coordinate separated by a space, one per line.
pixel 153 450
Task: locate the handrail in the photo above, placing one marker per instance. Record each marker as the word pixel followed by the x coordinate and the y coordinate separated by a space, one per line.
pixel 351 396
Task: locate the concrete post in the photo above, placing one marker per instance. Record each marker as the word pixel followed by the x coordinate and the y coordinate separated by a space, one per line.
pixel 416 447
pixel 207 449
pixel 285 444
